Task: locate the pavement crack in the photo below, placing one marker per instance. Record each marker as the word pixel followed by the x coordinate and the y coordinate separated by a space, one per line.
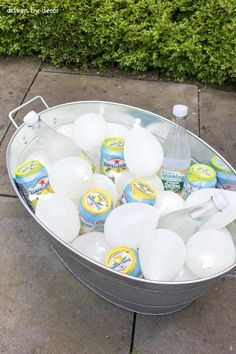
pixel 133 333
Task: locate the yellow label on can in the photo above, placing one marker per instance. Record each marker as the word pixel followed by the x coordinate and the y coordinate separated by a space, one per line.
pixel 143 189
pixel 28 168
pixel 96 201
pixel 201 172
pixel 121 259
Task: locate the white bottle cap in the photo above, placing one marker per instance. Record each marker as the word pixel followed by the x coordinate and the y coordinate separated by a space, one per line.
pixel 220 201
pixel 180 110
pixel 31 118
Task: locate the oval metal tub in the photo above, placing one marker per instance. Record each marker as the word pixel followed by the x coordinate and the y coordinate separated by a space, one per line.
pixel 134 294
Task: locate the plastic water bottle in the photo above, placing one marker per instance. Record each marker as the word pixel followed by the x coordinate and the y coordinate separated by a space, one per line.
pixel 54 143
pixel 177 152
pixel 186 222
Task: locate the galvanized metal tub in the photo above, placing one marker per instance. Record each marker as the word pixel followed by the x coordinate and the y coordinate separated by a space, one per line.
pixel 134 294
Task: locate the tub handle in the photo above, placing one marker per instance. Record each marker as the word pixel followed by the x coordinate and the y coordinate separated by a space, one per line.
pixel 10 115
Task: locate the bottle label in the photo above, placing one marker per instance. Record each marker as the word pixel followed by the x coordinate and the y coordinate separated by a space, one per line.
pixel 173 180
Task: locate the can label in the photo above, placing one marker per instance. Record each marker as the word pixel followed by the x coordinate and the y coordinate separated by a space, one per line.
pixel 173 180
pixel 32 180
pixel 112 157
pixel 201 172
pixel 94 208
pixel 200 176
pixel 121 259
pixel 139 190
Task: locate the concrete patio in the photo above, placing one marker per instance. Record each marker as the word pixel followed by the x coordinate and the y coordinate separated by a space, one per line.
pixel 43 308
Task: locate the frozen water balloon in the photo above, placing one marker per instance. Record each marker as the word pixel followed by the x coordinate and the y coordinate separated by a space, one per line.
pixel 126 224
pixel 168 201
pixel 105 183
pixel 142 152
pixel 70 177
pixel 93 245
pixel 89 130
pixel 162 254
pixel 59 214
pixel 116 130
pixel 185 275
pixel 209 252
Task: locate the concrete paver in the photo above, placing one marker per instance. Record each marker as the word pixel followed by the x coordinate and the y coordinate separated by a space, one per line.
pixel 206 326
pixel 44 309
pixel 16 75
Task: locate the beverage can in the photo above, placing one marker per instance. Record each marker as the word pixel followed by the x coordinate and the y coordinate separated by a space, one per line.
pixel 32 180
pixel 124 260
pixel 140 191
pixel 226 179
pixel 199 176
pixel 94 207
pixel 112 157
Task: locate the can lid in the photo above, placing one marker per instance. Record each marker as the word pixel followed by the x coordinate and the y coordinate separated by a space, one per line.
pixel 201 172
pixel 180 110
pixel 31 118
pixel 122 259
pixel 220 201
pixel 114 144
pixel 143 189
pixel 28 168
pixel 219 165
pixel 96 201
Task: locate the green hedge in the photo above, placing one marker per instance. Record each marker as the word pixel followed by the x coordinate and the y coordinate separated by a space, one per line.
pixel 180 38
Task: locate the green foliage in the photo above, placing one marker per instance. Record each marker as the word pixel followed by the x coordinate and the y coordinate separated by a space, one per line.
pixel 180 38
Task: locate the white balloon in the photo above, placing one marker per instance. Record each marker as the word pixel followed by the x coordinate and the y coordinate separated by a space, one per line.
pixel 42 157
pixel 105 183
pixel 66 130
pixel 59 214
pixel 226 232
pixel 116 130
pixel 209 252
pixel 162 254
pixel 126 224
pixel 124 178
pixel 93 245
pixel 185 275
pixel 168 201
pixel 89 131
pixel 70 177
pixel 142 152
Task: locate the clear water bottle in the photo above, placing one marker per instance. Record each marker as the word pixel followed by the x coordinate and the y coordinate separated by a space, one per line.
pixel 55 144
pixel 177 152
pixel 186 222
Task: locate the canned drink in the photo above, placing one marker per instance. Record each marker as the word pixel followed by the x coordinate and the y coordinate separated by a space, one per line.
pixel 226 179
pixel 94 208
pixel 199 176
pixel 140 191
pixel 32 180
pixel 124 260
pixel 112 160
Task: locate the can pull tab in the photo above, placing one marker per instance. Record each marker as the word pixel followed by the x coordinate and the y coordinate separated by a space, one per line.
pixel 12 114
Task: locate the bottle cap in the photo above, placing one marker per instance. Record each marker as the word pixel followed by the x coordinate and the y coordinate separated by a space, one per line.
pixel 31 118
pixel 180 110
pixel 220 201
